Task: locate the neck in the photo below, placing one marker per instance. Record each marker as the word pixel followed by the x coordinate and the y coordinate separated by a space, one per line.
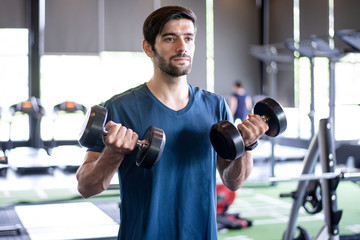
pixel 173 92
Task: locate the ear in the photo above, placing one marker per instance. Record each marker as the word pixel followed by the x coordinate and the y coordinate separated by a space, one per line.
pixel 147 48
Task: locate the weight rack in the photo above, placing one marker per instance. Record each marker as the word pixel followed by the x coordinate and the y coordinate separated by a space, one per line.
pixel 322 145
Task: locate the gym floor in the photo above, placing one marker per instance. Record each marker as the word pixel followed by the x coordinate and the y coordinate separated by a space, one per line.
pixel 45 204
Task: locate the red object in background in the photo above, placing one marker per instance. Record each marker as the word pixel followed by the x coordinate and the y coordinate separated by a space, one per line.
pixel 225 198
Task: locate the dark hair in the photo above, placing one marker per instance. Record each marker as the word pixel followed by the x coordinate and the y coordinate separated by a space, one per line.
pixel 155 22
pixel 238 84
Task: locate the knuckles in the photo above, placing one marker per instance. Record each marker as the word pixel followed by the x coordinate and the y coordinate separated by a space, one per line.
pixel 252 128
pixel 120 138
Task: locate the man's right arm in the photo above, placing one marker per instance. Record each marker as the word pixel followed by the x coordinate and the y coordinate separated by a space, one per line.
pixel 95 174
pixel 234 173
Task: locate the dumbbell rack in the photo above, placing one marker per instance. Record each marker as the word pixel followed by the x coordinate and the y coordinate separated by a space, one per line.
pixel 322 145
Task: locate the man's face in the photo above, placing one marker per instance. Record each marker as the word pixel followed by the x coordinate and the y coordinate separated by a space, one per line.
pixel 174 47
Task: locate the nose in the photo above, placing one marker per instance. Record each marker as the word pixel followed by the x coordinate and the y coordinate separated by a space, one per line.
pixel 181 46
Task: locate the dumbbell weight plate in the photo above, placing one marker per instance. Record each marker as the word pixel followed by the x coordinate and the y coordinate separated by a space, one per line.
pixel 93 126
pixel 275 113
pixel 227 140
pixel 152 151
pixel 149 149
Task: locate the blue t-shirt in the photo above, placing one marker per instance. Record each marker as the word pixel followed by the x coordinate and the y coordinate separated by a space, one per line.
pixel 176 198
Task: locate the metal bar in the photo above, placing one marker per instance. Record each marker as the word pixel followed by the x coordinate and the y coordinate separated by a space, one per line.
pixel 312 96
pixel 114 186
pixel 264 35
pixel 344 176
pixel 305 177
pixel 332 92
pixel 33 10
pixel 292 142
pixel 328 163
pixel 309 167
pixel 272 157
pixel 11 229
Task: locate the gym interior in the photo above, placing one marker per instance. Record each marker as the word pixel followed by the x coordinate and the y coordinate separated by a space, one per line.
pixel 59 58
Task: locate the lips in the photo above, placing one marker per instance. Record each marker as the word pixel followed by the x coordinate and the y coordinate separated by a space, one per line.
pixel 181 58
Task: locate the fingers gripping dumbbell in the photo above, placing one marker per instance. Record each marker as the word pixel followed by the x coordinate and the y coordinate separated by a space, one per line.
pixel 227 140
pixel 149 149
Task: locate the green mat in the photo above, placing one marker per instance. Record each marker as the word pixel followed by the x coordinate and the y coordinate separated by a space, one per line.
pixel 270 213
pixel 261 204
pixel 51 195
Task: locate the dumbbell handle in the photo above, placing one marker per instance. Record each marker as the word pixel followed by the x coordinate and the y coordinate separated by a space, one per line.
pixel 141 144
pixel 265 118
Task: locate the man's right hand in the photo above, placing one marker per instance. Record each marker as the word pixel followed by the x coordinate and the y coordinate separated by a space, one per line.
pixel 119 139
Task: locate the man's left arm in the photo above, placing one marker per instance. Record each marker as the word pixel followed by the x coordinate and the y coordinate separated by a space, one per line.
pixel 234 173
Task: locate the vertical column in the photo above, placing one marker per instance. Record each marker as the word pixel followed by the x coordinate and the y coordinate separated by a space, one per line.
pixel 328 164
pixel 33 10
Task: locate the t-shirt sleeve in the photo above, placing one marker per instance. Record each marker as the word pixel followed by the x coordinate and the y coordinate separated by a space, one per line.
pixel 226 113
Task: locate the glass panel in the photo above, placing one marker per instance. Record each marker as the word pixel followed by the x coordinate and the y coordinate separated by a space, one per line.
pixel 88 80
pixel 13 41
pixel 347 112
pixel 13 75
pixel 347 98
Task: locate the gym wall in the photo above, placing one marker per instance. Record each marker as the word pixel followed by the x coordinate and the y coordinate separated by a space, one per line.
pixel 13 14
pixel 280 28
pixel 236 26
pixel 91 26
pixel 87 27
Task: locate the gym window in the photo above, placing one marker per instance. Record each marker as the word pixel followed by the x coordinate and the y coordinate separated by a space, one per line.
pixel 13 66
pixel 91 80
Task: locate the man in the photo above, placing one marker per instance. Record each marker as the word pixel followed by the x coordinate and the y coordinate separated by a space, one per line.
pixel 240 102
pixel 176 198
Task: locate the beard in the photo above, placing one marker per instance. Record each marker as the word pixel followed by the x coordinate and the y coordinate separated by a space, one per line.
pixel 171 69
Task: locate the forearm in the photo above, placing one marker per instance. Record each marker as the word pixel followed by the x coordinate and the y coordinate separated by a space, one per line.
pixel 234 173
pixel 95 175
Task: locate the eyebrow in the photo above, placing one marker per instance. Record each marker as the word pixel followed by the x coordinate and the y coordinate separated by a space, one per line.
pixel 175 34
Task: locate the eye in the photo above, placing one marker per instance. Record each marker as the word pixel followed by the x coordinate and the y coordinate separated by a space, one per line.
pixel 169 39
